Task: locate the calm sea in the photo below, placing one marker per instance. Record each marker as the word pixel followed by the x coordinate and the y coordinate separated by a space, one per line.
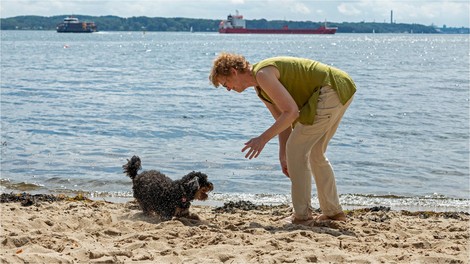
pixel 74 107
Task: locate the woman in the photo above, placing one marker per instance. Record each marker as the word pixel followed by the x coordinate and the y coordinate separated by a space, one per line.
pixel 307 100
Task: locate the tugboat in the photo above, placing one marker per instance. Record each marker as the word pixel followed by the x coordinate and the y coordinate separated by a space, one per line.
pixel 73 25
pixel 237 25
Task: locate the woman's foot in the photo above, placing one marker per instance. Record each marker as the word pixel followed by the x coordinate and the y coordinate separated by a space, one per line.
pixel 293 220
pixel 337 217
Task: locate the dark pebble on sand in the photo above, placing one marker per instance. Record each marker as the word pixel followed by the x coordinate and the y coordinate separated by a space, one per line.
pixel 230 207
pixel 27 199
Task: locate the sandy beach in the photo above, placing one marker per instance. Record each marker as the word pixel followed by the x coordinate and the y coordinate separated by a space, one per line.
pixel 79 230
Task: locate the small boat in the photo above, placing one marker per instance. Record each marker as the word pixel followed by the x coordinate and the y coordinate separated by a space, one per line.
pixel 235 24
pixel 73 25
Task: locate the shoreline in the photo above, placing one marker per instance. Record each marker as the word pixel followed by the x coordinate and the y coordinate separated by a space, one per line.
pixel 211 202
pixel 81 230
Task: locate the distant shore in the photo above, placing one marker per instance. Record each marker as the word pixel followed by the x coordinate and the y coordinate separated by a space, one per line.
pixel 54 229
pixel 159 24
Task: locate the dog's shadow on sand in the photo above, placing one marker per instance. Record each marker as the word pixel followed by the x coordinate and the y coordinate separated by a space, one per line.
pixel 155 219
pixel 135 216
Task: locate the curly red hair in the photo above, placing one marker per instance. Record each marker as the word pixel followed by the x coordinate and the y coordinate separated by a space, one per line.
pixel 224 62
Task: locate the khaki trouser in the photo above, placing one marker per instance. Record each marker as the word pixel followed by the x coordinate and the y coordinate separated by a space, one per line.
pixel 305 151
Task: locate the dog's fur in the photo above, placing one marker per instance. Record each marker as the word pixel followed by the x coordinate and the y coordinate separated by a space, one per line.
pixel 156 193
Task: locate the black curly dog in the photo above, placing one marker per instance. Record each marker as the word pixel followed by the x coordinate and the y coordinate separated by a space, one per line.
pixel 156 193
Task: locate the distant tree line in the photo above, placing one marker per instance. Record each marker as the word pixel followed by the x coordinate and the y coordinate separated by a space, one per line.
pixel 114 23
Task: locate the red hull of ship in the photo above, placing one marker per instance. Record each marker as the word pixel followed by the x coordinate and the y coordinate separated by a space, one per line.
pixel 320 30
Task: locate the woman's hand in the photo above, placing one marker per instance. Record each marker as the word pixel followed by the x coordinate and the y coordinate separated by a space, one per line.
pixel 254 146
pixel 284 167
pixel 283 160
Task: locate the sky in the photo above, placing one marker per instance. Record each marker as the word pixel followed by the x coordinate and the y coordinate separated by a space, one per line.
pixel 452 13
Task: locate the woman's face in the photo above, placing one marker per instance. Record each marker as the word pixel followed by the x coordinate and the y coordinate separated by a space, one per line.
pixel 232 82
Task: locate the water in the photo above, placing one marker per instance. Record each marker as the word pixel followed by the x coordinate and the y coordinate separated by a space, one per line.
pixel 74 107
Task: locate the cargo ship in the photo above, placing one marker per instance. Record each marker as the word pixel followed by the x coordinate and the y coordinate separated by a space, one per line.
pixel 235 24
pixel 73 25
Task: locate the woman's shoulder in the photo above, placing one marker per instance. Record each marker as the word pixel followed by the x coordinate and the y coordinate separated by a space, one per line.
pixel 265 63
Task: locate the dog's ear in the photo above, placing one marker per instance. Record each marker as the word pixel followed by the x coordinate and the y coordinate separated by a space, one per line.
pixel 193 184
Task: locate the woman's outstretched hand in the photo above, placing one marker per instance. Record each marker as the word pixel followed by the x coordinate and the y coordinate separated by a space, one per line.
pixel 254 146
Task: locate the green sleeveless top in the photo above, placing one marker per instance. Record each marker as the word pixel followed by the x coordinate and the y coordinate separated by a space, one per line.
pixel 303 79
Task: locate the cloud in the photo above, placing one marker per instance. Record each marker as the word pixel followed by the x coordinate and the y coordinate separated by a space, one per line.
pixel 348 9
pixel 434 9
pixel 300 8
pixel 283 8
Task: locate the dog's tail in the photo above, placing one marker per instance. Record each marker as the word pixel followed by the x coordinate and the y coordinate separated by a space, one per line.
pixel 132 167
